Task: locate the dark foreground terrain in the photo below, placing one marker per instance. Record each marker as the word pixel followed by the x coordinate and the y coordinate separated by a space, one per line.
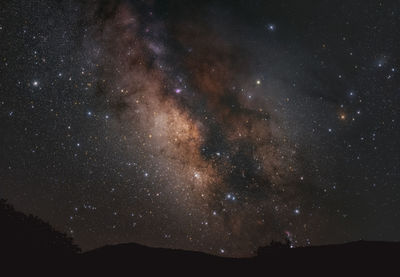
pixel 29 244
pixel 361 256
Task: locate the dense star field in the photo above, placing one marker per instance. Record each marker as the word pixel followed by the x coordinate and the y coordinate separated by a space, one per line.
pixel 215 126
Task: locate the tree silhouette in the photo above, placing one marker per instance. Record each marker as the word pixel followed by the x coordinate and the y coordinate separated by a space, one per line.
pixel 29 235
pixel 274 246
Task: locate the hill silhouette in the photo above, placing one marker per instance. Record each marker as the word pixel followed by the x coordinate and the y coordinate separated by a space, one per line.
pixel 26 238
pixel 360 256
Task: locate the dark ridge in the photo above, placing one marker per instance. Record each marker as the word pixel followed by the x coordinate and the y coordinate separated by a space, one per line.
pixel 26 239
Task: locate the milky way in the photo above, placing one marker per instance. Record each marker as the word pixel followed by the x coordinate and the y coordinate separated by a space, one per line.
pixel 221 158
pixel 208 125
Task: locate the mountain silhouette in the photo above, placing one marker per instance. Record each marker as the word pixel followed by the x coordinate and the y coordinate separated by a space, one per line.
pixel 26 238
pixel 360 256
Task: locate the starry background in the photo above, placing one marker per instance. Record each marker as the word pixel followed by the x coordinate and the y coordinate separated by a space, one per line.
pixel 215 126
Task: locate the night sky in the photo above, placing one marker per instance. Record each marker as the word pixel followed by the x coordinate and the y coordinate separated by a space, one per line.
pixel 215 126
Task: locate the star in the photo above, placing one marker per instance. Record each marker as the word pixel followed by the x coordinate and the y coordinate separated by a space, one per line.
pixel 271 27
